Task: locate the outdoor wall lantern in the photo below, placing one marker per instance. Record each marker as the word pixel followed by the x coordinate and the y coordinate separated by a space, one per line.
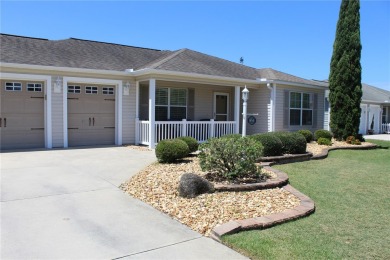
pixel 126 89
pixel 57 85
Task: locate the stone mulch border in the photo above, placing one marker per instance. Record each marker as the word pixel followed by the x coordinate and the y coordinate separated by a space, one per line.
pixel 304 209
pixel 325 152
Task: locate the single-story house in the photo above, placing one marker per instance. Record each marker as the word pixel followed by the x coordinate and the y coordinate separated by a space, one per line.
pixel 73 92
pixel 375 110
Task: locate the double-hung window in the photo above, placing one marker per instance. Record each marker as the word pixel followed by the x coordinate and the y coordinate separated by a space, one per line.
pixel 301 111
pixel 171 104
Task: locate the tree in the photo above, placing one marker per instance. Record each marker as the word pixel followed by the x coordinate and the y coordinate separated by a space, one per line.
pixel 345 73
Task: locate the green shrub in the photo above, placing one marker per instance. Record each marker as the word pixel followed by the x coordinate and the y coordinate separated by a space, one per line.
pixel 324 141
pixel 323 133
pixel 360 137
pixel 357 142
pixel 234 136
pixel 307 134
pixel 191 142
pixel 293 143
pixel 170 150
pixel 271 143
pixel 230 157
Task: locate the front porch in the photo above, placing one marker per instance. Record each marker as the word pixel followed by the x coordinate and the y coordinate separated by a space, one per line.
pixel 171 109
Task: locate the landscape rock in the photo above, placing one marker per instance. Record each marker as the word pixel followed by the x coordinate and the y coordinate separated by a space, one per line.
pixel 192 185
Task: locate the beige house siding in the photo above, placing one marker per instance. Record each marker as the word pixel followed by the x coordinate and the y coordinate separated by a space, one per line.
pixel 57 115
pixel 258 102
pixel 279 111
pixel 128 114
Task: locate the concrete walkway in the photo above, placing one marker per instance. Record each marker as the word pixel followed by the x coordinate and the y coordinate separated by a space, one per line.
pixel 384 137
pixel 65 204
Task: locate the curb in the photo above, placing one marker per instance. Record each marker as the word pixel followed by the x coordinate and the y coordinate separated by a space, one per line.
pixel 282 179
pixel 291 158
pixel 306 208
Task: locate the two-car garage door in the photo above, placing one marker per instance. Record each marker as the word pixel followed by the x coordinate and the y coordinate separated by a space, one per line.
pixel 91 115
pixel 21 114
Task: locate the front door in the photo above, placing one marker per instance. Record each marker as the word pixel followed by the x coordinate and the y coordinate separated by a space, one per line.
pixel 221 106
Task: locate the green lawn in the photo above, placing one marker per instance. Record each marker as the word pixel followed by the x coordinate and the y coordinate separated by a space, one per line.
pixel 351 190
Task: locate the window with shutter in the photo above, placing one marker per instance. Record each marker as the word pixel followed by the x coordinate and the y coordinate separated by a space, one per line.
pixel 171 104
pixel 301 109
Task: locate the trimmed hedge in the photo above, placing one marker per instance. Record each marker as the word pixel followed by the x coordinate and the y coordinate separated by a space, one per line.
pixel 307 134
pixel 191 142
pixel 292 143
pixel 271 143
pixel 170 150
pixel 324 141
pixel 323 133
pixel 230 157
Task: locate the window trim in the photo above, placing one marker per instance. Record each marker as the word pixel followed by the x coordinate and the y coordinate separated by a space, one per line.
pixel 169 102
pixel 13 86
pixel 34 87
pixel 108 90
pixel 301 109
pixel 92 90
pixel 74 91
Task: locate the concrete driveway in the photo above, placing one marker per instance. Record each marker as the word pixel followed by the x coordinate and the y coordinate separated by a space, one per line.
pixel 65 204
pixel 384 137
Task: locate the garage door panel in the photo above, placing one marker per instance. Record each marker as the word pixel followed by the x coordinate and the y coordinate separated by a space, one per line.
pixel 91 118
pixel 22 114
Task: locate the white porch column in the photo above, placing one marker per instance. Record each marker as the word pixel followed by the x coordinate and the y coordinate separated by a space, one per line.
pixel 152 102
pixel 237 109
pixel 273 106
pixel 136 113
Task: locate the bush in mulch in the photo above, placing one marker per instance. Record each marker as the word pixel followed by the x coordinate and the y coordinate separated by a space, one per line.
pixel 324 141
pixel 271 143
pixel 323 133
pixel 307 134
pixel 293 143
pixel 191 142
pixel 170 150
pixel 230 157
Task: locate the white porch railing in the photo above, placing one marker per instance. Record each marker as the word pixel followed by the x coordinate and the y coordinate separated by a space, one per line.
pixel 386 128
pixel 200 130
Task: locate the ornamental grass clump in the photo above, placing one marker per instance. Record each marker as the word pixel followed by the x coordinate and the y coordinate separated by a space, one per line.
pixel 230 157
pixel 170 150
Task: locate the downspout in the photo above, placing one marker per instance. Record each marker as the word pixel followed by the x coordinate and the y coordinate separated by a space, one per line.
pixel 272 88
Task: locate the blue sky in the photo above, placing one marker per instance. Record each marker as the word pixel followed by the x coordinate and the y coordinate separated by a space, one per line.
pixel 295 37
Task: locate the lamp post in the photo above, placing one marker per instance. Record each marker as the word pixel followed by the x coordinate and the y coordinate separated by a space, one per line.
pixel 245 97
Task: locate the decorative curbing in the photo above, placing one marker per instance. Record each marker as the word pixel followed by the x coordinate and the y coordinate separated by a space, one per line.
pixel 290 158
pixel 281 180
pixel 325 152
pixel 304 209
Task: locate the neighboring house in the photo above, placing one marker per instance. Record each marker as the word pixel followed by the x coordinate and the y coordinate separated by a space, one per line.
pixel 77 92
pixel 375 107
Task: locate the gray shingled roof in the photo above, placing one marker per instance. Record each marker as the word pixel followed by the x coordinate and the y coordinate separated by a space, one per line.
pixel 371 93
pixel 76 53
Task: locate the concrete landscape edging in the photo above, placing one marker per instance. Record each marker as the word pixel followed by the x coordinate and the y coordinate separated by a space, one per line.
pixel 325 152
pixel 305 208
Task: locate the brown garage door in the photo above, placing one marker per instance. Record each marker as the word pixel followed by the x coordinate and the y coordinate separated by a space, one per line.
pixel 22 115
pixel 91 115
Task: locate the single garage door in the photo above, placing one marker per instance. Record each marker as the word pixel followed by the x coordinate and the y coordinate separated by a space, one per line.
pixel 91 115
pixel 21 115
